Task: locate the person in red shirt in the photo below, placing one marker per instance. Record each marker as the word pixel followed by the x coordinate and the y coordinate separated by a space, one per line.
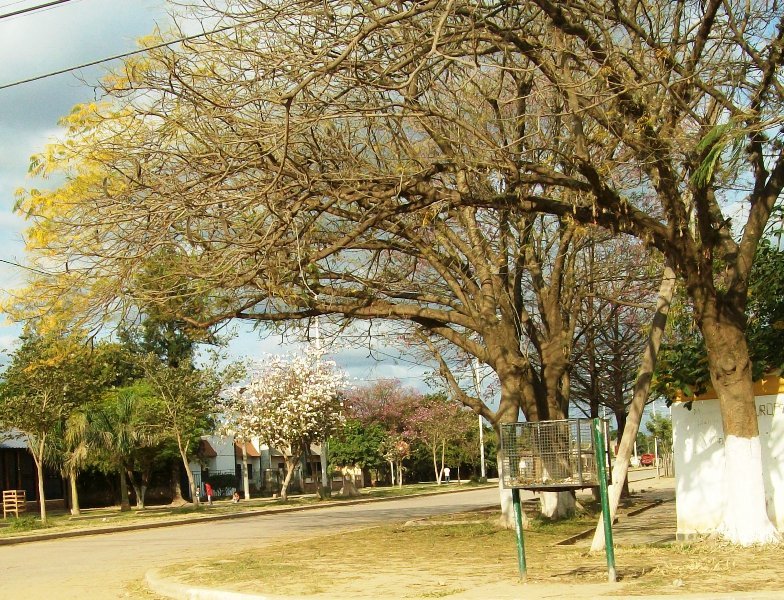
pixel 208 491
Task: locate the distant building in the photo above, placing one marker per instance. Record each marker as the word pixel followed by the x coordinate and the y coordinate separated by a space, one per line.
pixel 222 455
pixel 18 472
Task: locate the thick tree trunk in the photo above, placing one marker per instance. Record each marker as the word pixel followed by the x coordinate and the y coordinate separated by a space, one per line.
pixel 125 504
pixel 642 387
pixel 176 487
pixel 557 505
pixel 507 518
pixel 291 464
pixel 745 519
pixel 348 489
pixel 72 477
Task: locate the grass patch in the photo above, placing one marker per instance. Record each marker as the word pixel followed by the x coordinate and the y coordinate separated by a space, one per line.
pixel 23 524
pixel 443 559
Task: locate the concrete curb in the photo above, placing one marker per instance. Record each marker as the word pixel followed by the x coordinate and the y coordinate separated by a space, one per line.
pixel 41 537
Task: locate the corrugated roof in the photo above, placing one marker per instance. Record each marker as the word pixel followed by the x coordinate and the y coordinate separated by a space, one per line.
pixel 249 449
pixel 206 450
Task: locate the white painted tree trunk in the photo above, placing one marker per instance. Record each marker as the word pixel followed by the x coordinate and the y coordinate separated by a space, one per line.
pixel 245 478
pixel 642 386
pixel 745 519
pixel 507 519
pixel 75 510
pixel 557 505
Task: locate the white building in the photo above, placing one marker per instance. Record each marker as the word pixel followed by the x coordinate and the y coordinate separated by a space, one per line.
pixel 221 455
pixel 698 448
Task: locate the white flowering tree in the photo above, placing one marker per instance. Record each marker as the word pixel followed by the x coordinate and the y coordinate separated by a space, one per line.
pixel 289 402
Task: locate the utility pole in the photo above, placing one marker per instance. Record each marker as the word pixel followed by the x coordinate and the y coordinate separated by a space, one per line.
pixel 477 387
pixel 326 489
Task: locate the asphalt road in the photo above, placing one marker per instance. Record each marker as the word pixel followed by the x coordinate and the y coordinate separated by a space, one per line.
pixel 100 567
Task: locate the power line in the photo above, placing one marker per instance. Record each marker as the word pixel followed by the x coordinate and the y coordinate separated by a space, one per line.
pixel 22 11
pixel 126 54
pixel 21 266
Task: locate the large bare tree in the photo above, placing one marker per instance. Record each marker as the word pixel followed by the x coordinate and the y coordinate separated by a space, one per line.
pixel 381 159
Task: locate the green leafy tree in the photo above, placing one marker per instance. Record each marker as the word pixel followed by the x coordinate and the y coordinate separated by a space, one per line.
pixel 357 444
pixel 186 399
pixel 48 378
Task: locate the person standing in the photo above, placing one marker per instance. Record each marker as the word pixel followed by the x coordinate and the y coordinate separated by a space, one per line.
pixel 208 491
pixel 446 474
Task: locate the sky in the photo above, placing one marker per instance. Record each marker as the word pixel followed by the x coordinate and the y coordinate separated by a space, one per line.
pixel 66 35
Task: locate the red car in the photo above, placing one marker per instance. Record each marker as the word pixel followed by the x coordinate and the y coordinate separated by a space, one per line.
pixel 647 459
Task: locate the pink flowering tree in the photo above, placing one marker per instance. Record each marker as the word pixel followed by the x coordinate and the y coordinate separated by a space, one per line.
pixel 436 423
pixel 289 402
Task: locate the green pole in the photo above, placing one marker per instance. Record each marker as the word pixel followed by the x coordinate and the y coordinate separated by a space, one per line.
pixel 519 532
pixel 600 449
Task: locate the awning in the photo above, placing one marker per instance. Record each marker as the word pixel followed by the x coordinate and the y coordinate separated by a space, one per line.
pixel 249 449
pixel 206 450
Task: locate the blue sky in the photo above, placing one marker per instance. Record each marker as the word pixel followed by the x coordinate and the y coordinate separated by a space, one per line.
pixel 63 36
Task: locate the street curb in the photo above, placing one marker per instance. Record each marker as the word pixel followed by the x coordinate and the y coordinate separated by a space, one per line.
pixel 180 591
pixel 42 537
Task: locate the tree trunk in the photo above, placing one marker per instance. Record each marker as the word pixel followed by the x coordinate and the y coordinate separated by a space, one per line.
pixel 745 519
pixel 176 487
pixel 38 458
pixel 245 478
pixel 75 510
pixel 349 490
pixel 326 487
pixel 640 396
pixel 557 505
pixel 291 464
pixel 435 465
pixel 507 518
pixel 400 473
pixel 195 493
pixel 125 505
pixel 392 471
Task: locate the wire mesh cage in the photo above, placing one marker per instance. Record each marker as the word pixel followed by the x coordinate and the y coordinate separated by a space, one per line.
pixel 548 455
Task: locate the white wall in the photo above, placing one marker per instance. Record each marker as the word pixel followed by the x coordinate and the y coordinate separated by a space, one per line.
pixel 698 447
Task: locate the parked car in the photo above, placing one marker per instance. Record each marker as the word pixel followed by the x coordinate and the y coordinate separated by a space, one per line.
pixel 647 459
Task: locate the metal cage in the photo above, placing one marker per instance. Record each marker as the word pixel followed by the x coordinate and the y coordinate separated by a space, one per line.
pixel 549 455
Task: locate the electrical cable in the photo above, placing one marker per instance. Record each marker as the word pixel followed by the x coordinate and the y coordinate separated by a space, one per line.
pixel 21 266
pixel 29 9
pixel 127 54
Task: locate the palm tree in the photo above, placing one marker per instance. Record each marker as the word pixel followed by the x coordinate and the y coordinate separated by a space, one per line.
pixel 120 429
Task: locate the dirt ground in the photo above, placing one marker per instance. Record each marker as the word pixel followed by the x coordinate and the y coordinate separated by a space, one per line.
pixel 443 558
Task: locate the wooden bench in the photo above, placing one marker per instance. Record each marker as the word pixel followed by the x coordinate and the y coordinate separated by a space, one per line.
pixel 14 501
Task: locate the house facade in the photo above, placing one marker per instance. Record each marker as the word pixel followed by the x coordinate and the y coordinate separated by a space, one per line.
pixel 698 448
pixel 18 472
pixel 223 456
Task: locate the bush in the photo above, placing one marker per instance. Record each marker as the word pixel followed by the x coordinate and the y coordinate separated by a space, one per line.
pixel 25 524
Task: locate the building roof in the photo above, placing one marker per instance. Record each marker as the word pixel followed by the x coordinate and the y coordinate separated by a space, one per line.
pixel 205 450
pixel 770 385
pixel 249 449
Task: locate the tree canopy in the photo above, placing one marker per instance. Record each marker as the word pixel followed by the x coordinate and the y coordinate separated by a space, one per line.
pixel 435 164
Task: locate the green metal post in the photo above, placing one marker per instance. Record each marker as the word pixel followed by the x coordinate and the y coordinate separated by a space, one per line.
pixel 600 448
pixel 519 531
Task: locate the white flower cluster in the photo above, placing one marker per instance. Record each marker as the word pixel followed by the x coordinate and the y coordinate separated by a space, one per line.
pixel 288 401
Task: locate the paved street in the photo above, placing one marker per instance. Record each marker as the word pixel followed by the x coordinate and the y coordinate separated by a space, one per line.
pixel 99 567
